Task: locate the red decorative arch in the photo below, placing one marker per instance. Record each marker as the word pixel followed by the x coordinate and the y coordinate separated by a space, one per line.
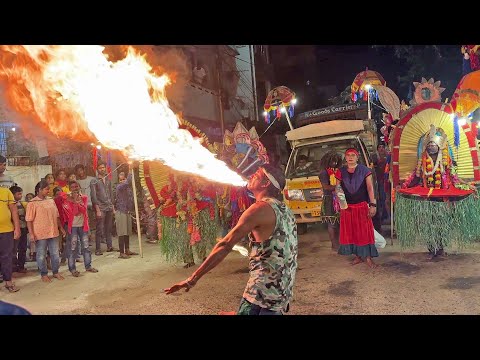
pixel 447 108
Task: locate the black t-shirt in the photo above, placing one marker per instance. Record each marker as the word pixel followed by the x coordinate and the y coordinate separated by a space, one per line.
pixel 325 179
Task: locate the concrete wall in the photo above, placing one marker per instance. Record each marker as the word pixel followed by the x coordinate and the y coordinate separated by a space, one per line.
pixel 28 176
pixel 202 103
pixel 242 104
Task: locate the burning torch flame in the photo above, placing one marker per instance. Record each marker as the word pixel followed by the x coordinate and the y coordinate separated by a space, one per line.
pixel 75 91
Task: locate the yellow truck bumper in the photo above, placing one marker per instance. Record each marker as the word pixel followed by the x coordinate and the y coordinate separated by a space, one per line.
pixel 306 212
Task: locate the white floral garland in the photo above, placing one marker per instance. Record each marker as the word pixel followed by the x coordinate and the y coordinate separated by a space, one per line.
pixel 438 163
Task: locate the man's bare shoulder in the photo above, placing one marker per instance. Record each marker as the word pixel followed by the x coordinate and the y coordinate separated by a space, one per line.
pixel 259 206
pixel 261 210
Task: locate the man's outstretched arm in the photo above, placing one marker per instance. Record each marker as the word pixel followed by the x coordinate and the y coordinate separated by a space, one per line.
pixel 255 215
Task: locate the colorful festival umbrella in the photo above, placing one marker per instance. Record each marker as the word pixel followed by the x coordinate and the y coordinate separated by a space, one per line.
pixel 277 98
pixel 466 98
pixel 367 77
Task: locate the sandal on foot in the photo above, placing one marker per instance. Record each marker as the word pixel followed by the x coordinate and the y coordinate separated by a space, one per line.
pixel 92 270
pixel 128 252
pixel 75 273
pixel 123 256
pixel 12 288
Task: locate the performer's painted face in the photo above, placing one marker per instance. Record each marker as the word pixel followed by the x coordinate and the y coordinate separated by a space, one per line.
pixel 432 148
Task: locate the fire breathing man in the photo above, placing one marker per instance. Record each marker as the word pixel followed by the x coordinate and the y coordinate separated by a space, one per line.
pixel 272 231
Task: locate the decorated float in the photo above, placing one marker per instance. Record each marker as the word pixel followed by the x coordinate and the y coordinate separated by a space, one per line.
pixel 191 212
pixel 434 167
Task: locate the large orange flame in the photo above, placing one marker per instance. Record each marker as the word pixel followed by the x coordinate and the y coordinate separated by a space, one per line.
pixel 76 92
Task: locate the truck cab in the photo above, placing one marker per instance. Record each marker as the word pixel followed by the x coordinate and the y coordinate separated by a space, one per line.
pixel 303 192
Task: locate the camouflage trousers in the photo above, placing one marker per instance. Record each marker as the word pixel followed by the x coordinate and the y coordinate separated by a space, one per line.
pixel 247 308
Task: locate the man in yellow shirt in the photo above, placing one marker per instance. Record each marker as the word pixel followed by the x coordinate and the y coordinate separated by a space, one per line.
pixel 9 230
pixel 20 245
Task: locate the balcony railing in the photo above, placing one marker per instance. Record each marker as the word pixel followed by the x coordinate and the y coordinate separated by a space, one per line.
pixel 18 161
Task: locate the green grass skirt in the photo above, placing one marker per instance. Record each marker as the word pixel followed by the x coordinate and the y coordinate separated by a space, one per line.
pixel 175 242
pixel 437 224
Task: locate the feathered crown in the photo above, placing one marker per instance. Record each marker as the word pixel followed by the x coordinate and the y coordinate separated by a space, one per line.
pixel 437 136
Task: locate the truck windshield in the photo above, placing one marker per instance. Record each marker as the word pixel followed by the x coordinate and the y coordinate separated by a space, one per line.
pixel 306 160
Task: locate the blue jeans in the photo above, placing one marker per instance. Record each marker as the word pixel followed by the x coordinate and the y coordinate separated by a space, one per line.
pixel 41 249
pixel 247 308
pixel 78 239
pixel 64 255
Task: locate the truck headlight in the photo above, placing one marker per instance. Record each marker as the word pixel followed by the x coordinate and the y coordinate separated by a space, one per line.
pixel 296 195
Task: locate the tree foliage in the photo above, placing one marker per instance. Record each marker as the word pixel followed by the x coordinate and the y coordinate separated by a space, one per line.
pixel 345 97
pixel 442 62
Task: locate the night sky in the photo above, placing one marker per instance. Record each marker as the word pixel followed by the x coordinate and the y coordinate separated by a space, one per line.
pixel 335 66
pixel 339 64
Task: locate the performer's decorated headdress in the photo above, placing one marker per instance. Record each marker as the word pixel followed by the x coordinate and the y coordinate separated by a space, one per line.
pixel 437 136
